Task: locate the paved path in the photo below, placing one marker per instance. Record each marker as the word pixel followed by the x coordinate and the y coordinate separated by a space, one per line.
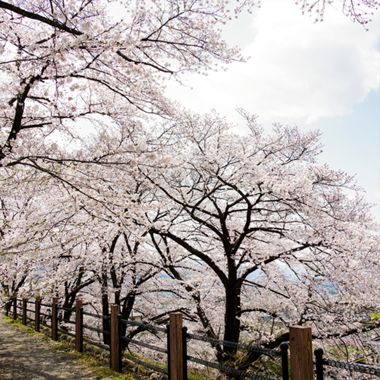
pixel 26 357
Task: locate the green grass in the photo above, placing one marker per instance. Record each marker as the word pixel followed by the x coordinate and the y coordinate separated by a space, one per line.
pixel 197 376
pixel 25 329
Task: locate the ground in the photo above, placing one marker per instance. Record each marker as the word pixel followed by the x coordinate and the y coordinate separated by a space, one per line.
pixel 27 356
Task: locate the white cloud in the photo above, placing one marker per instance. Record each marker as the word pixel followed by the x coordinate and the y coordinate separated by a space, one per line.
pixel 299 71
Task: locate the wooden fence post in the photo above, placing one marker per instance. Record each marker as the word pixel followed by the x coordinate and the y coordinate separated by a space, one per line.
pixel 319 363
pixel 54 319
pixel 284 346
pixel 184 352
pixel 14 303
pixel 175 349
pixel 24 307
pixel 79 325
pixel 37 316
pixel 301 353
pixel 115 344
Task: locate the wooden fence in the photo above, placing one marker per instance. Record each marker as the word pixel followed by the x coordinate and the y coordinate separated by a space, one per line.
pixel 300 343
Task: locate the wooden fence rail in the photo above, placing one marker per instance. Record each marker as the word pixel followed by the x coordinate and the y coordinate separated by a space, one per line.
pixel 301 358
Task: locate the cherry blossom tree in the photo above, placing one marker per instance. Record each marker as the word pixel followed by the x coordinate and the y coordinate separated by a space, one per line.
pixel 247 234
pixel 102 251
pixel 65 62
pixel 357 11
pixel 14 273
pixel 22 227
pixel 256 227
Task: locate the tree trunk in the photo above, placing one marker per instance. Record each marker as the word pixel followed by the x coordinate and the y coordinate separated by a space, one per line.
pixel 126 311
pixel 231 320
pixel 7 307
pixel 68 304
pixel 106 319
pixel 227 356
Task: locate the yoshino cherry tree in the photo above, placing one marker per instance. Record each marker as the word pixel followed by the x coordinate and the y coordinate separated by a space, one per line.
pixel 238 230
pixel 255 229
pixel 65 62
pixel 69 61
pixel 103 250
pixel 244 234
pixel 24 225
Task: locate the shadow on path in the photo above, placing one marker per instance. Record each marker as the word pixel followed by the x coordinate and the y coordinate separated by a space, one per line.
pixel 24 357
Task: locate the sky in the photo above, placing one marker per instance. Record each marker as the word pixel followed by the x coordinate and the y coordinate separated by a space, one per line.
pixel 322 76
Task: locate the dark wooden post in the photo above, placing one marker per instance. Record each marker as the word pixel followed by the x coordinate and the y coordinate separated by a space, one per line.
pixel 176 364
pixel 54 319
pixel 79 325
pixel 284 346
pixel 184 352
pixel 115 344
pixel 168 348
pixel 24 312
pixel 319 363
pixel 37 316
pixel 301 353
pixel 14 304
